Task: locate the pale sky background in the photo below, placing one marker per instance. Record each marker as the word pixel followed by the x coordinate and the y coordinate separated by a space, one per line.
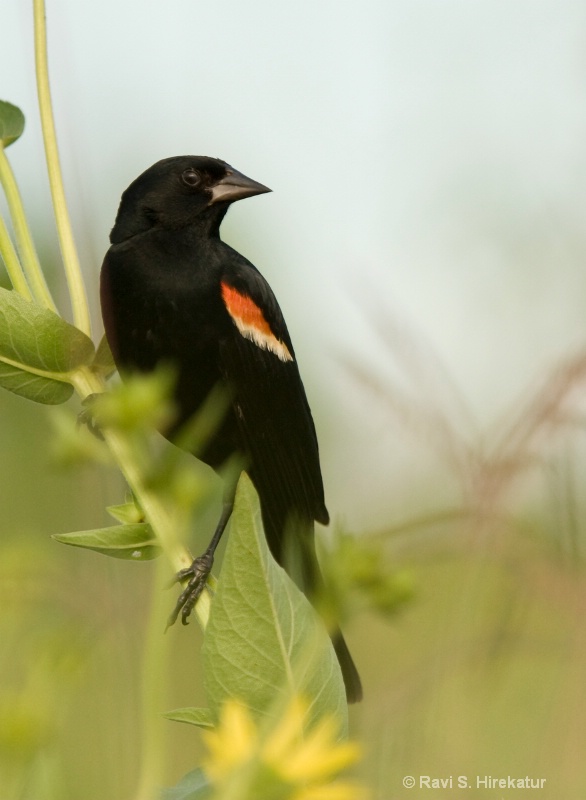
pixel 427 160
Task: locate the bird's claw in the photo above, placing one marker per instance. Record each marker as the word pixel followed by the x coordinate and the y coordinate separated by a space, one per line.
pixel 196 575
pixel 88 418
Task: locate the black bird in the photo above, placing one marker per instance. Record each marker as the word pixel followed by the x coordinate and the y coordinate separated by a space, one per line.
pixel 173 292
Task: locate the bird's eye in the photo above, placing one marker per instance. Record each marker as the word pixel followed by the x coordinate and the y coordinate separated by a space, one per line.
pixel 190 177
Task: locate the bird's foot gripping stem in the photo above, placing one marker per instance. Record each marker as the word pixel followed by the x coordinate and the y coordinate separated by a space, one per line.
pixel 197 574
pixel 87 416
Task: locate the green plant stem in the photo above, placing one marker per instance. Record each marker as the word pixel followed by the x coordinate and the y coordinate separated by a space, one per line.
pixel 12 263
pixel 154 683
pixel 86 383
pixel 28 254
pixel 79 304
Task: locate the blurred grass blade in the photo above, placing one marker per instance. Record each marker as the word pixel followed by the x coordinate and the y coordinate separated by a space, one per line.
pixel 193 786
pixel 264 641
pixel 200 717
pixel 135 542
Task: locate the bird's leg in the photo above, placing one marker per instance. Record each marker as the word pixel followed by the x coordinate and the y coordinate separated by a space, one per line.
pixel 199 570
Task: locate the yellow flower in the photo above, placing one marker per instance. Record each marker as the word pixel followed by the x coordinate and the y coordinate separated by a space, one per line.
pixel 314 756
pixel 232 743
pixel 285 762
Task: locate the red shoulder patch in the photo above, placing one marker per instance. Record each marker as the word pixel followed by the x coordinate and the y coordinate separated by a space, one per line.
pixel 250 321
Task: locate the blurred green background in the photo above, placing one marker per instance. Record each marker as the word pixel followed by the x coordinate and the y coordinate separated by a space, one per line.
pixel 426 241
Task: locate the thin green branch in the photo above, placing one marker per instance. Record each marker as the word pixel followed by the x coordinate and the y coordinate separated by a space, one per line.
pixel 155 664
pixel 24 241
pixel 84 380
pixel 163 524
pixel 12 263
pixel 71 264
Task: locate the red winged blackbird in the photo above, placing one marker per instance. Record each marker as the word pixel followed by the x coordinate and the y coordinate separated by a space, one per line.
pixel 173 292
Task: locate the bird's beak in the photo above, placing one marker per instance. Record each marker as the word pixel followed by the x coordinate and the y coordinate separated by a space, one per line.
pixel 235 186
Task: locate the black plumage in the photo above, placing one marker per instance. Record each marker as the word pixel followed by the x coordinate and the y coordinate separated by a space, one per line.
pixel 173 292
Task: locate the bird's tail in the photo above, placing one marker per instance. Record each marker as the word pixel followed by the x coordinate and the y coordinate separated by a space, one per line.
pixel 313 585
pixel 350 674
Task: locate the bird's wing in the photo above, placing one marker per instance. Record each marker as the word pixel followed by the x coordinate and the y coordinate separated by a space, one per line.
pixel 270 405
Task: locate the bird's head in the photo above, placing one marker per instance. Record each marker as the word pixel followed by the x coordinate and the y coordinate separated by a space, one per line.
pixel 178 191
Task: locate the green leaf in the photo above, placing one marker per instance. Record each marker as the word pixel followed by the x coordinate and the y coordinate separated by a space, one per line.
pixel 126 512
pixel 103 362
pixel 264 641
pixel 135 542
pixel 11 123
pixel 193 786
pixel 34 387
pixel 38 338
pixel 200 717
pixel 38 350
pixel 142 401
